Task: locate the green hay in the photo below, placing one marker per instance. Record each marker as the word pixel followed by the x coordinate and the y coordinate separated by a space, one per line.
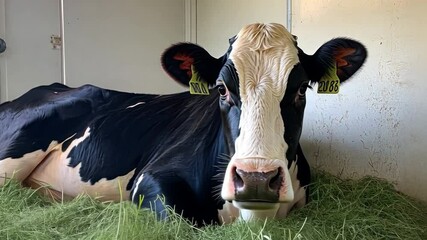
pixel 340 209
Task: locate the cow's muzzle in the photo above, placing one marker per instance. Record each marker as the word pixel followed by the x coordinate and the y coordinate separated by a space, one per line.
pixel 257 182
pixel 257 186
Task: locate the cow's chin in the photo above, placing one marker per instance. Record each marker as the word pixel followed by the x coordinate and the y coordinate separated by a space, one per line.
pixel 256 210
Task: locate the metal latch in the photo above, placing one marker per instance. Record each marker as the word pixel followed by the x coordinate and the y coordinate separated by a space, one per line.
pixel 56 41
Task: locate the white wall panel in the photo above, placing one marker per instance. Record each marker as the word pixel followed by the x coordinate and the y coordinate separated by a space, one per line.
pixel 29 59
pixel 118 44
pixel 219 20
pixel 376 124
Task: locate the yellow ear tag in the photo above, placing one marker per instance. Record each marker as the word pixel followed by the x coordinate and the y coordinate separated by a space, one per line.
pixel 197 85
pixel 329 83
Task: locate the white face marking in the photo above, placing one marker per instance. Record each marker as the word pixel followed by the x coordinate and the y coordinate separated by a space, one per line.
pixel 263 63
pixel 136 104
pixel 299 193
pixel 263 55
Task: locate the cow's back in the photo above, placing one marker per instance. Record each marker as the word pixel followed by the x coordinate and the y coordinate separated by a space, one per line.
pixel 37 123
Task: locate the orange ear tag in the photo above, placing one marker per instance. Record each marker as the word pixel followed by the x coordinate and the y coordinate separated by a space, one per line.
pixel 329 83
pixel 197 85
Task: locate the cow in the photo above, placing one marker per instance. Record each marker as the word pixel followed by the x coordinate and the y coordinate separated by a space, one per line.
pixel 227 149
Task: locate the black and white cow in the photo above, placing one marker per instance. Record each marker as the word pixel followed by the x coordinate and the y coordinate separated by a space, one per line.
pixel 233 152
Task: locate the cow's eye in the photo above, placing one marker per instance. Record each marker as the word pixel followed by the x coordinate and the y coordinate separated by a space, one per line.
pixel 222 90
pixel 303 89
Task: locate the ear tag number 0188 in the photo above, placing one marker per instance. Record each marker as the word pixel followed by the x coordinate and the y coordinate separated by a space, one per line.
pixel 329 83
pixel 197 85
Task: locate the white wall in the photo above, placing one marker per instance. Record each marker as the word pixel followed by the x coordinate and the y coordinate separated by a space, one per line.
pixel 219 20
pixel 109 43
pixel 29 59
pixel 376 125
pixel 2 58
pixel 117 44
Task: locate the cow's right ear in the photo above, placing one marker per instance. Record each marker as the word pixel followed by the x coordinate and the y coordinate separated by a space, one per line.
pixel 181 60
pixel 344 56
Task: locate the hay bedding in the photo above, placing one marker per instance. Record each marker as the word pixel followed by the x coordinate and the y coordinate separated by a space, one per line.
pixel 339 209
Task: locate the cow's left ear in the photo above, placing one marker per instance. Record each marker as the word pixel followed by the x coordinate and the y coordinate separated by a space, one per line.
pixel 180 61
pixel 343 54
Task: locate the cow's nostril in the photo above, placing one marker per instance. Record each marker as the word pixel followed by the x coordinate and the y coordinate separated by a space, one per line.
pixel 238 181
pixel 276 181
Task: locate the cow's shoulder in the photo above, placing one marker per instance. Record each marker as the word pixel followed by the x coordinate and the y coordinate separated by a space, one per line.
pixel 123 136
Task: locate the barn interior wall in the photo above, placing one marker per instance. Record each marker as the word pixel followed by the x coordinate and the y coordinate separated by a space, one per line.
pixel 118 44
pixel 219 20
pixel 29 59
pixel 2 58
pixel 376 124
pixel 108 43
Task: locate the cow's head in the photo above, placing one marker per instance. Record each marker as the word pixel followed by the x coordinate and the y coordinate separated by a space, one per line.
pixel 262 81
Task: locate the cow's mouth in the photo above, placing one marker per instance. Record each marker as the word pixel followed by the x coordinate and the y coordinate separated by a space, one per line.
pixel 256 210
pixel 256 205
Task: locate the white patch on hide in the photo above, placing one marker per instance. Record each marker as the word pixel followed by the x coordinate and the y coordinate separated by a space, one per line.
pixel 136 186
pixel 62 181
pixel 136 104
pixel 20 168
